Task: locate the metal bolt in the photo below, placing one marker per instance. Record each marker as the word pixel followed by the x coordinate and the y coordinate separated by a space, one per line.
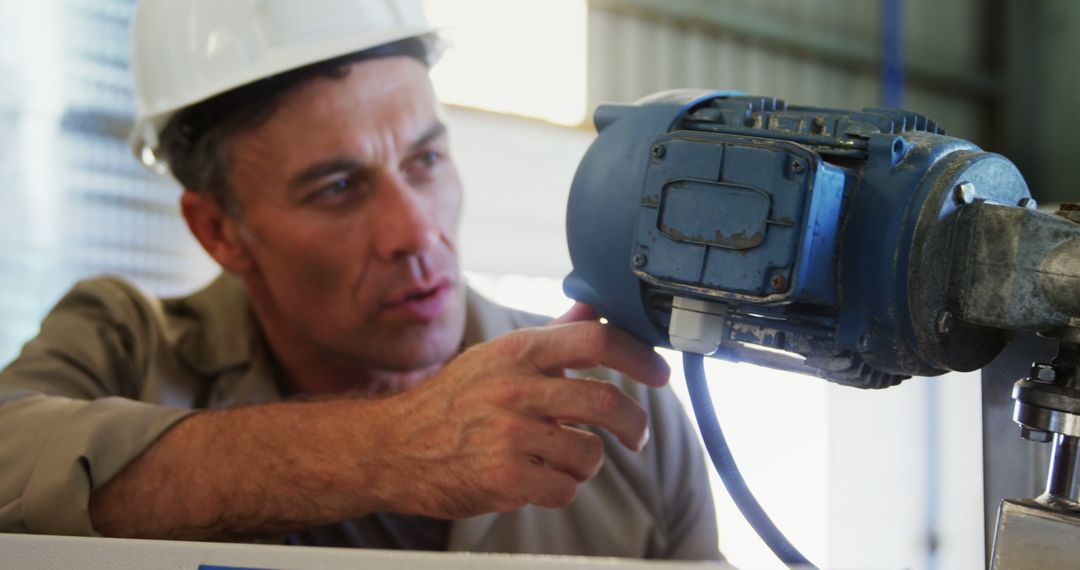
pixel 798 166
pixel 964 193
pixel 1028 203
pixel 1043 374
pixel 944 322
pixel 1036 435
pixel 640 261
pixel 778 282
pixel 658 151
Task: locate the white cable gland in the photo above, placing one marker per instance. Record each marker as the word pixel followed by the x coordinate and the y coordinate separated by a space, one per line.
pixel 696 326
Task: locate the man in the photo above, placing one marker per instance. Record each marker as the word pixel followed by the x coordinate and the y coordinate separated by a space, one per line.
pixel 339 406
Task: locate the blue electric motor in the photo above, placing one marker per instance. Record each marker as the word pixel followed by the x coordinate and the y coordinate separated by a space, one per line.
pixel 824 235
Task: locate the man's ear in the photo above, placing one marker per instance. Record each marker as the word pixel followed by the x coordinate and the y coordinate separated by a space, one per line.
pixel 216 230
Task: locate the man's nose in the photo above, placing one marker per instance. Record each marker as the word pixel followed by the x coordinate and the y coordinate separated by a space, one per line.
pixel 407 224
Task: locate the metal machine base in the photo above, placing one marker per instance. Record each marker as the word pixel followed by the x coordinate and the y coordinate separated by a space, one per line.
pixel 1033 535
pixel 33 552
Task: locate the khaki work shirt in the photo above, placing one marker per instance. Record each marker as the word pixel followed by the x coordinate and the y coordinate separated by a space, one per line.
pixel 112 369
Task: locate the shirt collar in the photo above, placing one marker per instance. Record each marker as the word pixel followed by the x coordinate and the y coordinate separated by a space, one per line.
pixel 484 320
pixel 218 331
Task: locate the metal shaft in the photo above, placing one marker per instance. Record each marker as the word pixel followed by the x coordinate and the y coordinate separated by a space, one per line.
pixel 1063 481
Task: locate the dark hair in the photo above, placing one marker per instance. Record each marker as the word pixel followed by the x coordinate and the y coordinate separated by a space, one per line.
pixel 194 143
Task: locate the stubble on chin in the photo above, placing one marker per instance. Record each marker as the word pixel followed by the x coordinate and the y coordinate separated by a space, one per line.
pixel 420 346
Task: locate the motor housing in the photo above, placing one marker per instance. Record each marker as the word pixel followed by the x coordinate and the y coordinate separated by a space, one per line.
pixel 823 236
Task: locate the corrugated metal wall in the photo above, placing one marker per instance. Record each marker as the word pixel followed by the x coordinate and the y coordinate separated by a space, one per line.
pixel 812 52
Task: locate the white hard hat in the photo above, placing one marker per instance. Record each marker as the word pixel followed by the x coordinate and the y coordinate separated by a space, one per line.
pixel 187 51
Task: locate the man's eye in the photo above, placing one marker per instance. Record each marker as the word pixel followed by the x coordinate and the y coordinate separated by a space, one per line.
pixel 422 167
pixel 335 187
pixel 334 190
pixel 429 158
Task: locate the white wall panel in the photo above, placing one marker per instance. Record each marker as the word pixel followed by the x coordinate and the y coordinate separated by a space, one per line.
pixel 517 175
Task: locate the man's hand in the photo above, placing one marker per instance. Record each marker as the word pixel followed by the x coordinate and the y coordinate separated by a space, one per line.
pixel 578 312
pixel 489 432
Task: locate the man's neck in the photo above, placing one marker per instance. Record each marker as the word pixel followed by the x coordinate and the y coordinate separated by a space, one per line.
pixel 314 373
pixel 344 379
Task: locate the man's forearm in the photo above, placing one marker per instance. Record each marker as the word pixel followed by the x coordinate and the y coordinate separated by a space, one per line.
pixel 489 432
pixel 246 472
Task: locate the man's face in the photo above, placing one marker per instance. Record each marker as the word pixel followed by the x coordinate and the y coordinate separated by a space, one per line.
pixel 349 210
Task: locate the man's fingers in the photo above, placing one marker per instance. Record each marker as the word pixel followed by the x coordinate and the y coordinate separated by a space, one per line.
pixel 574 451
pixel 528 479
pixel 591 402
pixel 549 488
pixel 589 344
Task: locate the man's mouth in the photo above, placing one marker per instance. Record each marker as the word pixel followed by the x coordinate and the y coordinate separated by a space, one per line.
pixel 421 303
pixel 421 295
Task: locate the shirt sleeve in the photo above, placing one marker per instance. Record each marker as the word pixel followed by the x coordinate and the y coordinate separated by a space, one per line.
pixel 69 415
